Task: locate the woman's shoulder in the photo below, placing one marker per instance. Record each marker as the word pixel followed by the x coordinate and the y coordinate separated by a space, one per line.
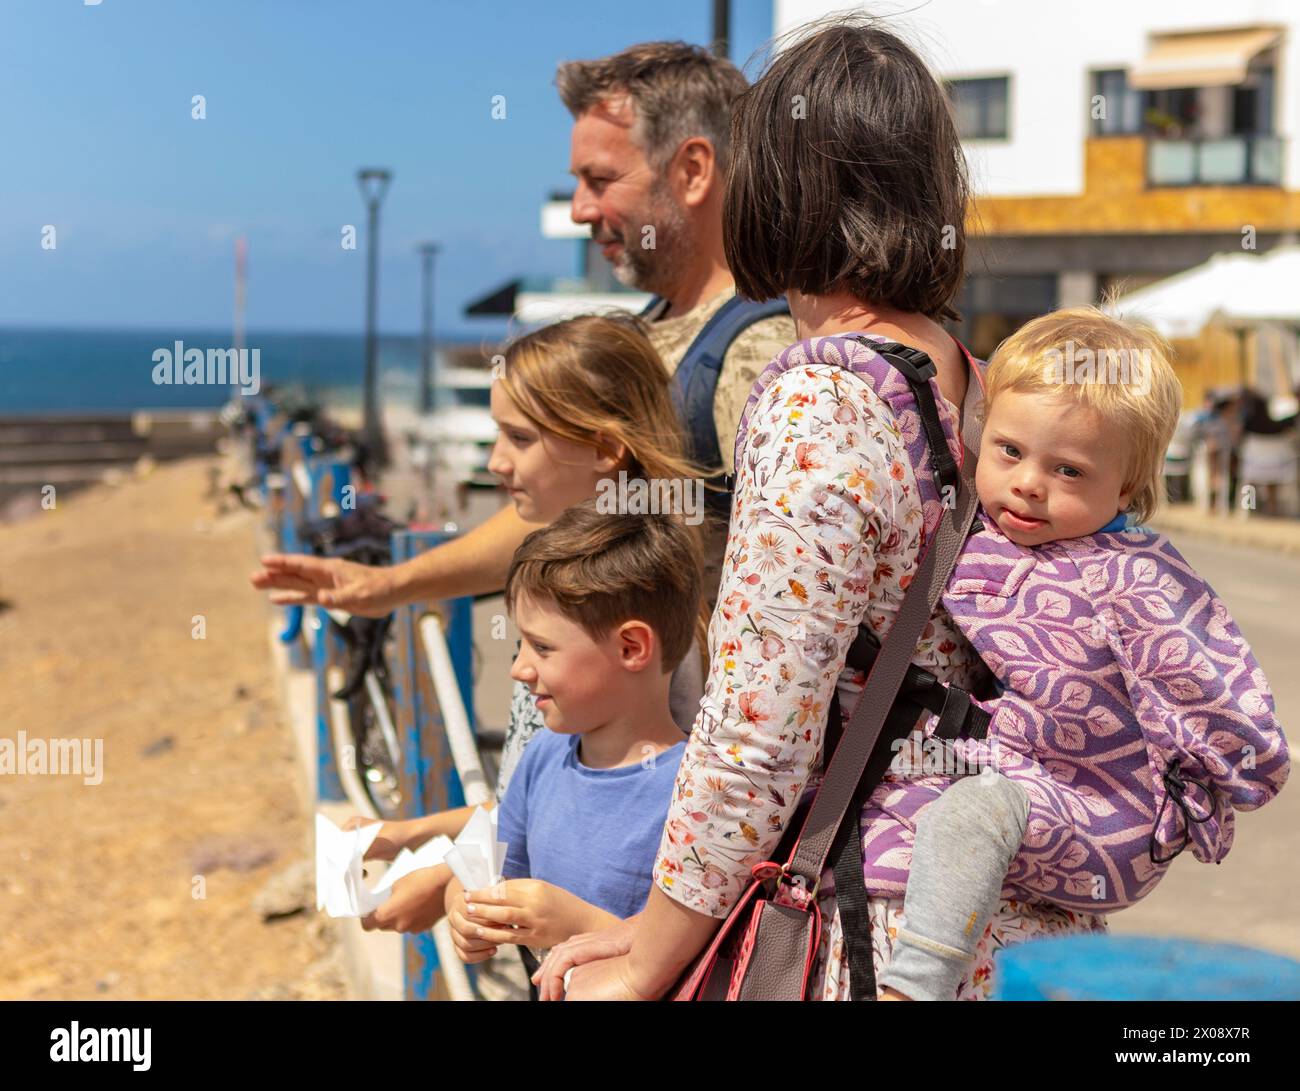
pixel 797 379
pixel 857 367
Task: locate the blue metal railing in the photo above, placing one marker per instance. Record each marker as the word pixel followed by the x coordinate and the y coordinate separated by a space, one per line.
pixel 299 484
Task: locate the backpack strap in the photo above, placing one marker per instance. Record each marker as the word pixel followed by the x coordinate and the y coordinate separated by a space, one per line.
pixel 695 383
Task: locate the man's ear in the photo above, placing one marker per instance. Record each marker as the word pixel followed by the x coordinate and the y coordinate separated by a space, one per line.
pixel 610 454
pixel 637 645
pixel 694 171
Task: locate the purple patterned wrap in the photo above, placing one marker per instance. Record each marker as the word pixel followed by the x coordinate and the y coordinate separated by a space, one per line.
pixel 1116 657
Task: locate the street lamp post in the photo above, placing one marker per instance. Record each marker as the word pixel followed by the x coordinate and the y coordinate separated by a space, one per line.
pixel 374 184
pixel 722 27
pixel 427 251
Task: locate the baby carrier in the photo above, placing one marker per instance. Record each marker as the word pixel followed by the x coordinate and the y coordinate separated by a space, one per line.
pixel 765 949
pixel 1135 715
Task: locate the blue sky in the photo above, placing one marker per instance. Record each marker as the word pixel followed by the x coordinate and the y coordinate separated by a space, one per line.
pixel 98 140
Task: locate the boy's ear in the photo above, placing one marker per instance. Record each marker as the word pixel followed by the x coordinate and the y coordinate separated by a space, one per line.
pixel 637 645
pixel 610 454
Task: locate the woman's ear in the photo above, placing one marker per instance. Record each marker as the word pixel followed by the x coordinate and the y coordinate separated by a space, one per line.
pixel 637 645
pixel 611 455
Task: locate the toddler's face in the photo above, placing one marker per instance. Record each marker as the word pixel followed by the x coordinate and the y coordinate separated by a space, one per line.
pixel 575 680
pixel 1049 468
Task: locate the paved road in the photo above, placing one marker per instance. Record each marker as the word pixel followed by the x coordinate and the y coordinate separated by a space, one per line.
pixel 1253 897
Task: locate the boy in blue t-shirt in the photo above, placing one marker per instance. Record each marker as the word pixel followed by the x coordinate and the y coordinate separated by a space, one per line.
pixel 607 606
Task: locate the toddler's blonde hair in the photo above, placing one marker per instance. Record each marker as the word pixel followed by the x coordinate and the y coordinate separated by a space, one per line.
pixel 1131 384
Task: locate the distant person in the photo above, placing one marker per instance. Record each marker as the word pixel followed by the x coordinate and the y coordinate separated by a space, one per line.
pixel 1267 453
pixel 650 148
pixel 1218 431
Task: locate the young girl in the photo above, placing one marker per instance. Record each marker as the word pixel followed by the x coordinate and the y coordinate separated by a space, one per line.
pixel 577 403
pixel 1132 715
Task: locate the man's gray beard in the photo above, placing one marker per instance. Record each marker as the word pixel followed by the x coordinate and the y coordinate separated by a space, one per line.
pixel 656 271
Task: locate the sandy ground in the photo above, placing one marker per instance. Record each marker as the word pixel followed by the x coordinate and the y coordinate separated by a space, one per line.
pixel 145 885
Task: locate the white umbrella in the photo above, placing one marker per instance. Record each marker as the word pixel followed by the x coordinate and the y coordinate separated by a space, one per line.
pixel 1181 305
pixel 1236 289
pixel 1272 293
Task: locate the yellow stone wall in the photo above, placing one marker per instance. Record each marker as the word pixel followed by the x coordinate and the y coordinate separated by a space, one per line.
pixel 1208 361
pixel 1116 201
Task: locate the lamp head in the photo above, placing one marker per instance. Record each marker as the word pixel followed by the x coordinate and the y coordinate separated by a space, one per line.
pixel 373 182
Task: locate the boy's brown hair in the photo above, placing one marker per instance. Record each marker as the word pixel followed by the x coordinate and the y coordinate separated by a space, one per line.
pixel 600 570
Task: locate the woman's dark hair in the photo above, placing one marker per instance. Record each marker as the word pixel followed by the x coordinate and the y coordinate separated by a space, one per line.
pixel 847 174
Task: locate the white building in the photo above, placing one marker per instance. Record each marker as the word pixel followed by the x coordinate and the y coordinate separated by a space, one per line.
pixel 1110 142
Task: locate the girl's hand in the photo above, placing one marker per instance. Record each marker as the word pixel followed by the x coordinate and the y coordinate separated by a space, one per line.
pixel 416 903
pixel 464 932
pixel 297 579
pixel 389 841
pixel 578 951
pixel 532 912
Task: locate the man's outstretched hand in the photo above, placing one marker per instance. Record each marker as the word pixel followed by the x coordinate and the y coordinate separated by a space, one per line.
pixel 296 579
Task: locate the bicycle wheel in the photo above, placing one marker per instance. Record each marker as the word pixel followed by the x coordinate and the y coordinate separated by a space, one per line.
pixel 378 748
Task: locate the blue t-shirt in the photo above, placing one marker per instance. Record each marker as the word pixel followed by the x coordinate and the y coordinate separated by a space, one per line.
pixel 593 832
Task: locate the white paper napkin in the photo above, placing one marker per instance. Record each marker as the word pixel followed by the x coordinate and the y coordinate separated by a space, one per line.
pixel 477 857
pixel 340 889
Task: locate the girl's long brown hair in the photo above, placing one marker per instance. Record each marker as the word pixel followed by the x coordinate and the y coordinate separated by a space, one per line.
pixel 597 380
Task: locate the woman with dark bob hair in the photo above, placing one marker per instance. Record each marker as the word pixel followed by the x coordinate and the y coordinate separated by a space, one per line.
pixel 847 193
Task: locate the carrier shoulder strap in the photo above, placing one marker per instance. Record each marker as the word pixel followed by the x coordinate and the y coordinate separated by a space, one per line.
pixel 845 769
pixel 856 764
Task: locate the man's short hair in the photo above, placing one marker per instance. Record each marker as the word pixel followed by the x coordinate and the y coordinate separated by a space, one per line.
pixel 847 174
pixel 677 91
pixel 600 570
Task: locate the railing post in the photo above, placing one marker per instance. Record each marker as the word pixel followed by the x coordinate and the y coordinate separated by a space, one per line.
pixel 328 480
pixel 428 775
pixel 296 506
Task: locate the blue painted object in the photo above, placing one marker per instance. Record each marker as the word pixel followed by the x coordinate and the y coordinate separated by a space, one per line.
pixel 327 649
pixel 1105 967
pixel 329 478
pixel 429 780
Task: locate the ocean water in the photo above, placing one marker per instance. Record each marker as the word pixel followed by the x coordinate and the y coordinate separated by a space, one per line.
pixel 65 370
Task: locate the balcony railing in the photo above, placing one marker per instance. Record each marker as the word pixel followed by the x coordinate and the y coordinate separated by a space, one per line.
pixel 1223 161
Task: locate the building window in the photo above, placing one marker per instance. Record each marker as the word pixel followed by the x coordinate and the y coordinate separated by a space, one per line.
pixel 1115 106
pixel 980 107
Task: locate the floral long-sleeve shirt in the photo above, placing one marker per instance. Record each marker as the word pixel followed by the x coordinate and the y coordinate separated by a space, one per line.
pixel 826 532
